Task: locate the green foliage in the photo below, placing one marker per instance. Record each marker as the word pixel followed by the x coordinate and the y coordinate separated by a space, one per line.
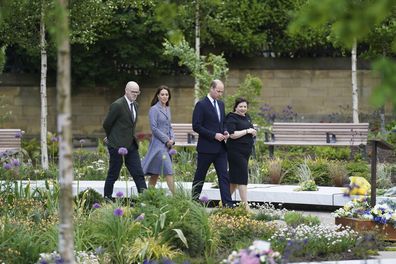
pixel 320 171
pixel 181 213
pixel 5 113
pixel 332 153
pixel 2 58
pixel 352 21
pixel 359 169
pixel 20 243
pixel 205 68
pixel 349 20
pixel 115 234
pixel 294 219
pixel 385 92
pixel 88 198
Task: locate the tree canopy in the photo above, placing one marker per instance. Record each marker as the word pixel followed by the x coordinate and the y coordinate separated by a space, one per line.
pixel 116 40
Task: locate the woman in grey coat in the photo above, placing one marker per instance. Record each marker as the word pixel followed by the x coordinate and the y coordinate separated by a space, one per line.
pixel 157 160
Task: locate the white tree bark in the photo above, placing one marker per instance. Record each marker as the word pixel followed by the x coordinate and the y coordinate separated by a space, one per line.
pixel 197 49
pixel 66 244
pixel 355 99
pixel 43 94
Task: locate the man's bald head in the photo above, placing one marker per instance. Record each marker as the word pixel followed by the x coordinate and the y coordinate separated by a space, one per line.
pixel 132 90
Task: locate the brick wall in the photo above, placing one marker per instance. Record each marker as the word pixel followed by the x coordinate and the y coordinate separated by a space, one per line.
pixel 314 90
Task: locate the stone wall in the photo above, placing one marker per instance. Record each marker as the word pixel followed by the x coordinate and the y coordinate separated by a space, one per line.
pixel 314 89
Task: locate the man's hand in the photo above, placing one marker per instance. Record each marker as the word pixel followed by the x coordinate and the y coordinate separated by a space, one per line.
pixel 226 134
pixel 219 137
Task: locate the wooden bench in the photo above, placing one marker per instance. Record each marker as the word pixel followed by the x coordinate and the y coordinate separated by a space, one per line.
pixel 184 134
pixel 10 140
pixel 316 134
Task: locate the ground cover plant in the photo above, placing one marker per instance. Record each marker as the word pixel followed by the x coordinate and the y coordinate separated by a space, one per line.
pixel 159 227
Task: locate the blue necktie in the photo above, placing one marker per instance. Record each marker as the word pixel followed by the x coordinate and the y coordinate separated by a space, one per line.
pixel 217 110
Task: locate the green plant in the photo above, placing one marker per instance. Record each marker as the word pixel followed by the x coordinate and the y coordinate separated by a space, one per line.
pixel 88 198
pixel 338 173
pixel 320 171
pixel 268 212
pixel 275 170
pixel 305 175
pixel 114 228
pixel 294 219
pixel 332 153
pixel 384 172
pixel 359 169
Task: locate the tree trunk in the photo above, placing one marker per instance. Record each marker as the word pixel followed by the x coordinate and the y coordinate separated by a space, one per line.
pixel 355 100
pixel 197 49
pixel 65 138
pixel 43 94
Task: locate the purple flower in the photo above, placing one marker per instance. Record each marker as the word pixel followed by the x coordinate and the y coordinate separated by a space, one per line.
pixel 140 218
pixel 54 139
pixel 18 134
pixel 96 205
pixel 82 141
pixel 15 162
pixel 204 199
pixel 119 194
pixel 122 151
pixel 7 166
pixel 172 152
pixel 118 212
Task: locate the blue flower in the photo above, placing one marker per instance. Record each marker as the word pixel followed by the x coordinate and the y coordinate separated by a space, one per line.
pixel 119 194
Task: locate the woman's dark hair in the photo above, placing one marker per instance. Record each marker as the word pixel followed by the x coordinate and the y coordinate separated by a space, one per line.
pixel 240 100
pixel 159 89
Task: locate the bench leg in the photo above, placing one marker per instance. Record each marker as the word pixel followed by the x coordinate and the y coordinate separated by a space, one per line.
pixel 271 151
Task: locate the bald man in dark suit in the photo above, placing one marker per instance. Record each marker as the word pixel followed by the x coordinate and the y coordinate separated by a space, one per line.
pixel 119 126
pixel 208 122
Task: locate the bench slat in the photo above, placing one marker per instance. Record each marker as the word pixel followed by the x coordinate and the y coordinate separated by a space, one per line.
pixel 181 131
pixel 8 139
pixel 314 134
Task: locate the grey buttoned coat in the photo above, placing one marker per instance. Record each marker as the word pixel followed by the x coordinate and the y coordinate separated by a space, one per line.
pixel 157 160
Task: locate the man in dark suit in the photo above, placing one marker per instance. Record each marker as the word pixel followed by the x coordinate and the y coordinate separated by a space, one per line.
pixel 208 122
pixel 119 126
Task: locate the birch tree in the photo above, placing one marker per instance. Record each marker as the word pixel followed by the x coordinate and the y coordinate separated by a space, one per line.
pixel 66 244
pixel 355 97
pixel 43 91
pixel 197 48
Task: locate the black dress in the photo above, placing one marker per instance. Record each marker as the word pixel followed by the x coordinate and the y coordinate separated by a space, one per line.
pixel 240 149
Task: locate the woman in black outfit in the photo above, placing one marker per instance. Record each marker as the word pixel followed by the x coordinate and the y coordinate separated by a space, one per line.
pixel 239 147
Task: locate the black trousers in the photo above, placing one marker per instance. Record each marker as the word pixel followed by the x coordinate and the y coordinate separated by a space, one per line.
pixel 132 162
pixel 220 163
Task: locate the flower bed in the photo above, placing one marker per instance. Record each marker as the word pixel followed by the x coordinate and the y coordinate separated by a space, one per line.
pixel 386 230
pixel 361 217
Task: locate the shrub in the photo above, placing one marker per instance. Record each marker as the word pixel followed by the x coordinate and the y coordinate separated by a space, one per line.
pixel 358 169
pixel 294 219
pixel 337 173
pixel 320 171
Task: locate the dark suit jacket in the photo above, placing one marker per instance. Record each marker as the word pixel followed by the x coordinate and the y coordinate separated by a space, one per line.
pixel 206 123
pixel 118 125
